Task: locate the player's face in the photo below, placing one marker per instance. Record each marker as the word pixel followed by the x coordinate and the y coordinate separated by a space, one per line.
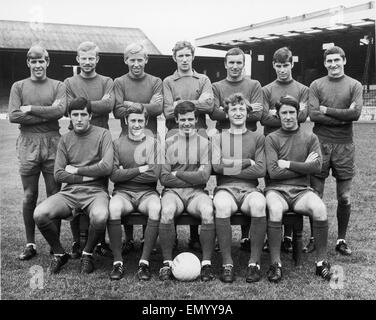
pixel 136 63
pixel 187 122
pixel 183 59
pixel 335 65
pixel 136 124
pixel 80 120
pixel 283 70
pixel 38 68
pixel 88 61
pixel 234 66
pixel 237 114
pixel 289 117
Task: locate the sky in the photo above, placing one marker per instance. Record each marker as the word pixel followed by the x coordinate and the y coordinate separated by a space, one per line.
pixel 164 21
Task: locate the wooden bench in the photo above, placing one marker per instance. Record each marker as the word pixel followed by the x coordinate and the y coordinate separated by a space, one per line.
pixel 289 218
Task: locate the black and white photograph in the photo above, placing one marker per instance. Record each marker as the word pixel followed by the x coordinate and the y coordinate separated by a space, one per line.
pixel 211 153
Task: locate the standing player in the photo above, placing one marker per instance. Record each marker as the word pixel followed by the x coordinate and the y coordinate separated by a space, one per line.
pixel 36 104
pixel 239 160
pixel 98 90
pixel 335 101
pixel 137 86
pixel 184 174
pixel 84 160
pixel 135 174
pixel 291 156
pixel 272 92
pixel 251 89
pixel 187 84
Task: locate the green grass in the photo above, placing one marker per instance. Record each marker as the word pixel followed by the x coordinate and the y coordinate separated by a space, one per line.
pixel 298 283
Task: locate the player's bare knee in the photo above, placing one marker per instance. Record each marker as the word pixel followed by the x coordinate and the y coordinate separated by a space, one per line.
pixel 344 198
pixel 207 214
pixel 40 215
pixel 30 198
pixel 99 217
pixel 319 212
pixel 258 208
pixel 222 208
pixel 275 212
pixel 168 213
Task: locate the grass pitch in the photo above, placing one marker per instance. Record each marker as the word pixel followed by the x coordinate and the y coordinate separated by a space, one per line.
pixel 30 280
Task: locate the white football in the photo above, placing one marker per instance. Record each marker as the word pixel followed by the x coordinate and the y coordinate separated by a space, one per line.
pixel 186 266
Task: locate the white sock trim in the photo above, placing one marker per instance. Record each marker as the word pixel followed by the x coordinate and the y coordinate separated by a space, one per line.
pixel 31 244
pixel 254 264
pixel 228 264
pixel 86 253
pixel 116 262
pixel 341 240
pixel 144 262
pixel 168 261
pixel 205 263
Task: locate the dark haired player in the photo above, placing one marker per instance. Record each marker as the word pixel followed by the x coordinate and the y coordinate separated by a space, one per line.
pixel 84 161
pixel 184 175
pixel 135 174
pixel 291 156
pixel 272 92
pixel 236 82
pixel 335 101
pixel 134 87
pixel 36 104
pixel 99 90
pixel 239 160
pixel 187 84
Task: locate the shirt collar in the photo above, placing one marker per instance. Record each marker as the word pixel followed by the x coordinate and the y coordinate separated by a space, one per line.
pixel 176 75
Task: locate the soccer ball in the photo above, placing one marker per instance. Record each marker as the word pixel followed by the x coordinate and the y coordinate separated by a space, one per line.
pixel 186 266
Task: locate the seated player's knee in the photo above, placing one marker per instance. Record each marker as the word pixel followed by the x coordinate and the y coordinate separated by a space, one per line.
pixel 318 210
pixel 154 210
pixel 275 211
pixel 99 217
pixel 222 207
pixel 168 213
pixel 258 207
pixel 207 214
pixel 115 209
pixel 40 215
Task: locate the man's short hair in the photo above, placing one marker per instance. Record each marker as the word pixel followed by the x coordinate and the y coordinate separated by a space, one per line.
pixel 79 103
pixel 335 50
pixel 235 52
pixel 88 46
pixel 289 101
pixel 134 48
pixel 234 99
pixel 282 55
pixel 136 108
pixel 37 52
pixel 181 45
pixel 185 107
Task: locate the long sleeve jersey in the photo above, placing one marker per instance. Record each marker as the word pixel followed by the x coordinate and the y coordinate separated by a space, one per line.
pixel 41 95
pixel 293 146
pixel 241 148
pixel 129 155
pixel 196 88
pixel 337 94
pixel 91 152
pixel 272 92
pixel 189 156
pixel 146 90
pixel 251 89
pixel 93 89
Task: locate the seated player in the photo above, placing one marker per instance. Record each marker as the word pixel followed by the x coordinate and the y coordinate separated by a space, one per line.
pixel 84 160
pixel 291 156
pixel 184 175
pixel 239 160
pixel 135 174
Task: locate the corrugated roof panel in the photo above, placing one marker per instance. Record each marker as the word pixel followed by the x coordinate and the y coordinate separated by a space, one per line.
pixel 65 37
